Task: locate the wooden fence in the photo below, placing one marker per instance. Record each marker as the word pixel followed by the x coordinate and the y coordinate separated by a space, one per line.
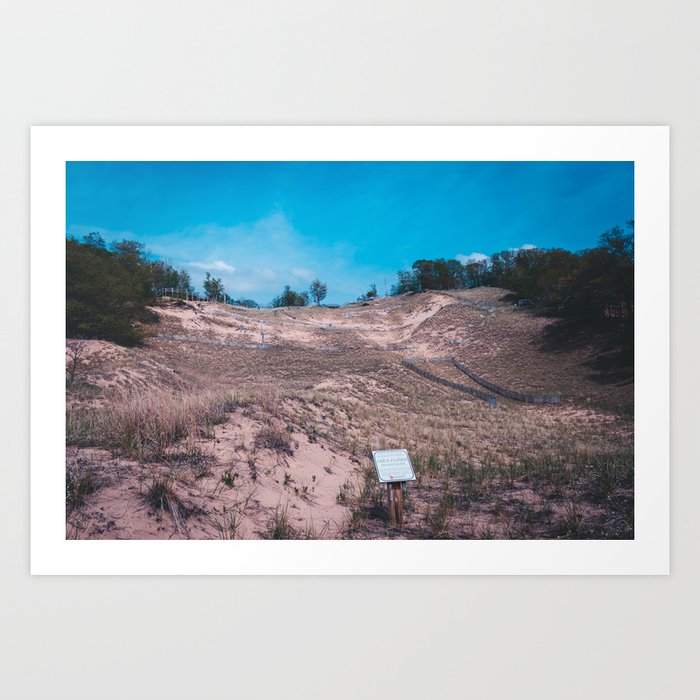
pixel 515 395
pixel 213 341
pixel 453 385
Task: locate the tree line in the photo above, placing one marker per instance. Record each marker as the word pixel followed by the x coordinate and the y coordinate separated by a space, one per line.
pixel 590 285
pixel 109 289
pixel 317 291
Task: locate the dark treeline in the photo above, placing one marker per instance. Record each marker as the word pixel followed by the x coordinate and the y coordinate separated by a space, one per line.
pixel 289 297
pixel 108 289
pixel 592 285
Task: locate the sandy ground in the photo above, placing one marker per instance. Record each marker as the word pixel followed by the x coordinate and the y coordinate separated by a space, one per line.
pixel 254 484
pixel 338 390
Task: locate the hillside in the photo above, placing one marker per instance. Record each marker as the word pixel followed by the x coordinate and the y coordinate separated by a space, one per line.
pixel 235 422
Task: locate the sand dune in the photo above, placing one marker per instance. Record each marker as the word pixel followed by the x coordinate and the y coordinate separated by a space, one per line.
pixel 311 391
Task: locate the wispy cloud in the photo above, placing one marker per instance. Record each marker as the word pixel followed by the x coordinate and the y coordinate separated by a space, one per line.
pixel 257 259
pixel 303 273
pixel 261 225
pixel 481 257
pixel 215 266
pixel 471 258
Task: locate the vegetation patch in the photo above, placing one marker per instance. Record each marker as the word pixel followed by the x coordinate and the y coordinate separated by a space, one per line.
pixel 160 495
pixel 279 526
pixel 274 437
pixel 144 424
pixel 81 481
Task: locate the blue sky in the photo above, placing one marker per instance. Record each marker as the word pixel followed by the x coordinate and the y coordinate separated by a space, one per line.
pixel 261 225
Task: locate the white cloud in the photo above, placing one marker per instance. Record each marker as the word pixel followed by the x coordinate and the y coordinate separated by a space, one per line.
pixel 240 286
pixel 480 257
pixel 471 258
pixel 303 273
pixel 215 265
pixel 269 253
pixel 266 273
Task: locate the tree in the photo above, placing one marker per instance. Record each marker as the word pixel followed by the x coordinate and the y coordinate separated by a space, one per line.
pixel 425 273
pixel 291 298
pixel 105 297
pixel 501 268
pixel 603 286
pixel 439 274
pixel 184 282
pixel 75 349
pixel 407 283
pixel 371 293
pixel 162 275
pixel 95 240
pixel 213 287
pixel 318 291
pixel 475 273
pixel 132 253
pixel 248 303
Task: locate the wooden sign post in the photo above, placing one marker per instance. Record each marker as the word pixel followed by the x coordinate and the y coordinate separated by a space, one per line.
pixel 394 469
pixel 395 497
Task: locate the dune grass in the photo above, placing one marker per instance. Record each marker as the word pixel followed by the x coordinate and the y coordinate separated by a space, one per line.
pixel 81 481
pixel 143 425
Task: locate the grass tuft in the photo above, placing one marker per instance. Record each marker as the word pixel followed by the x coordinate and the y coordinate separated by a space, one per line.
pixel 144 424
pixel 228 525
pixel 81 480
pixel 276 438
pixel 160 495
pixel 438 518
pixel 279 527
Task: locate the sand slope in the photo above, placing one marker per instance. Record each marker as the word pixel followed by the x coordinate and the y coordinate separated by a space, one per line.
pixel 331 383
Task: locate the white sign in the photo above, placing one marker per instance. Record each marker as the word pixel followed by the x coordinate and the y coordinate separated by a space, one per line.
pixel 393 465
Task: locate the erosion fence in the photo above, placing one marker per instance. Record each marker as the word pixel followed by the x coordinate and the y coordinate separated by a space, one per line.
pixel 515 395
pixel 212 341
pixel 446 382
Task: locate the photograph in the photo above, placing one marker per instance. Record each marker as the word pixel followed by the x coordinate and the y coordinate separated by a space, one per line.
pixel 349 323
pixel 349 349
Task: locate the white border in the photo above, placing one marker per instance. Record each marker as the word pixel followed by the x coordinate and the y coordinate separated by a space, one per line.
pixel 648 147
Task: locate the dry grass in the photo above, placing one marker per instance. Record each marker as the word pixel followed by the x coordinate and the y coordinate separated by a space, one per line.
pixel 554 497
pixel 143 425
pixel 81 481
pixel 275 437
pixel 279 526
pixel 514 471
pixel 228 525
pixel 160 495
